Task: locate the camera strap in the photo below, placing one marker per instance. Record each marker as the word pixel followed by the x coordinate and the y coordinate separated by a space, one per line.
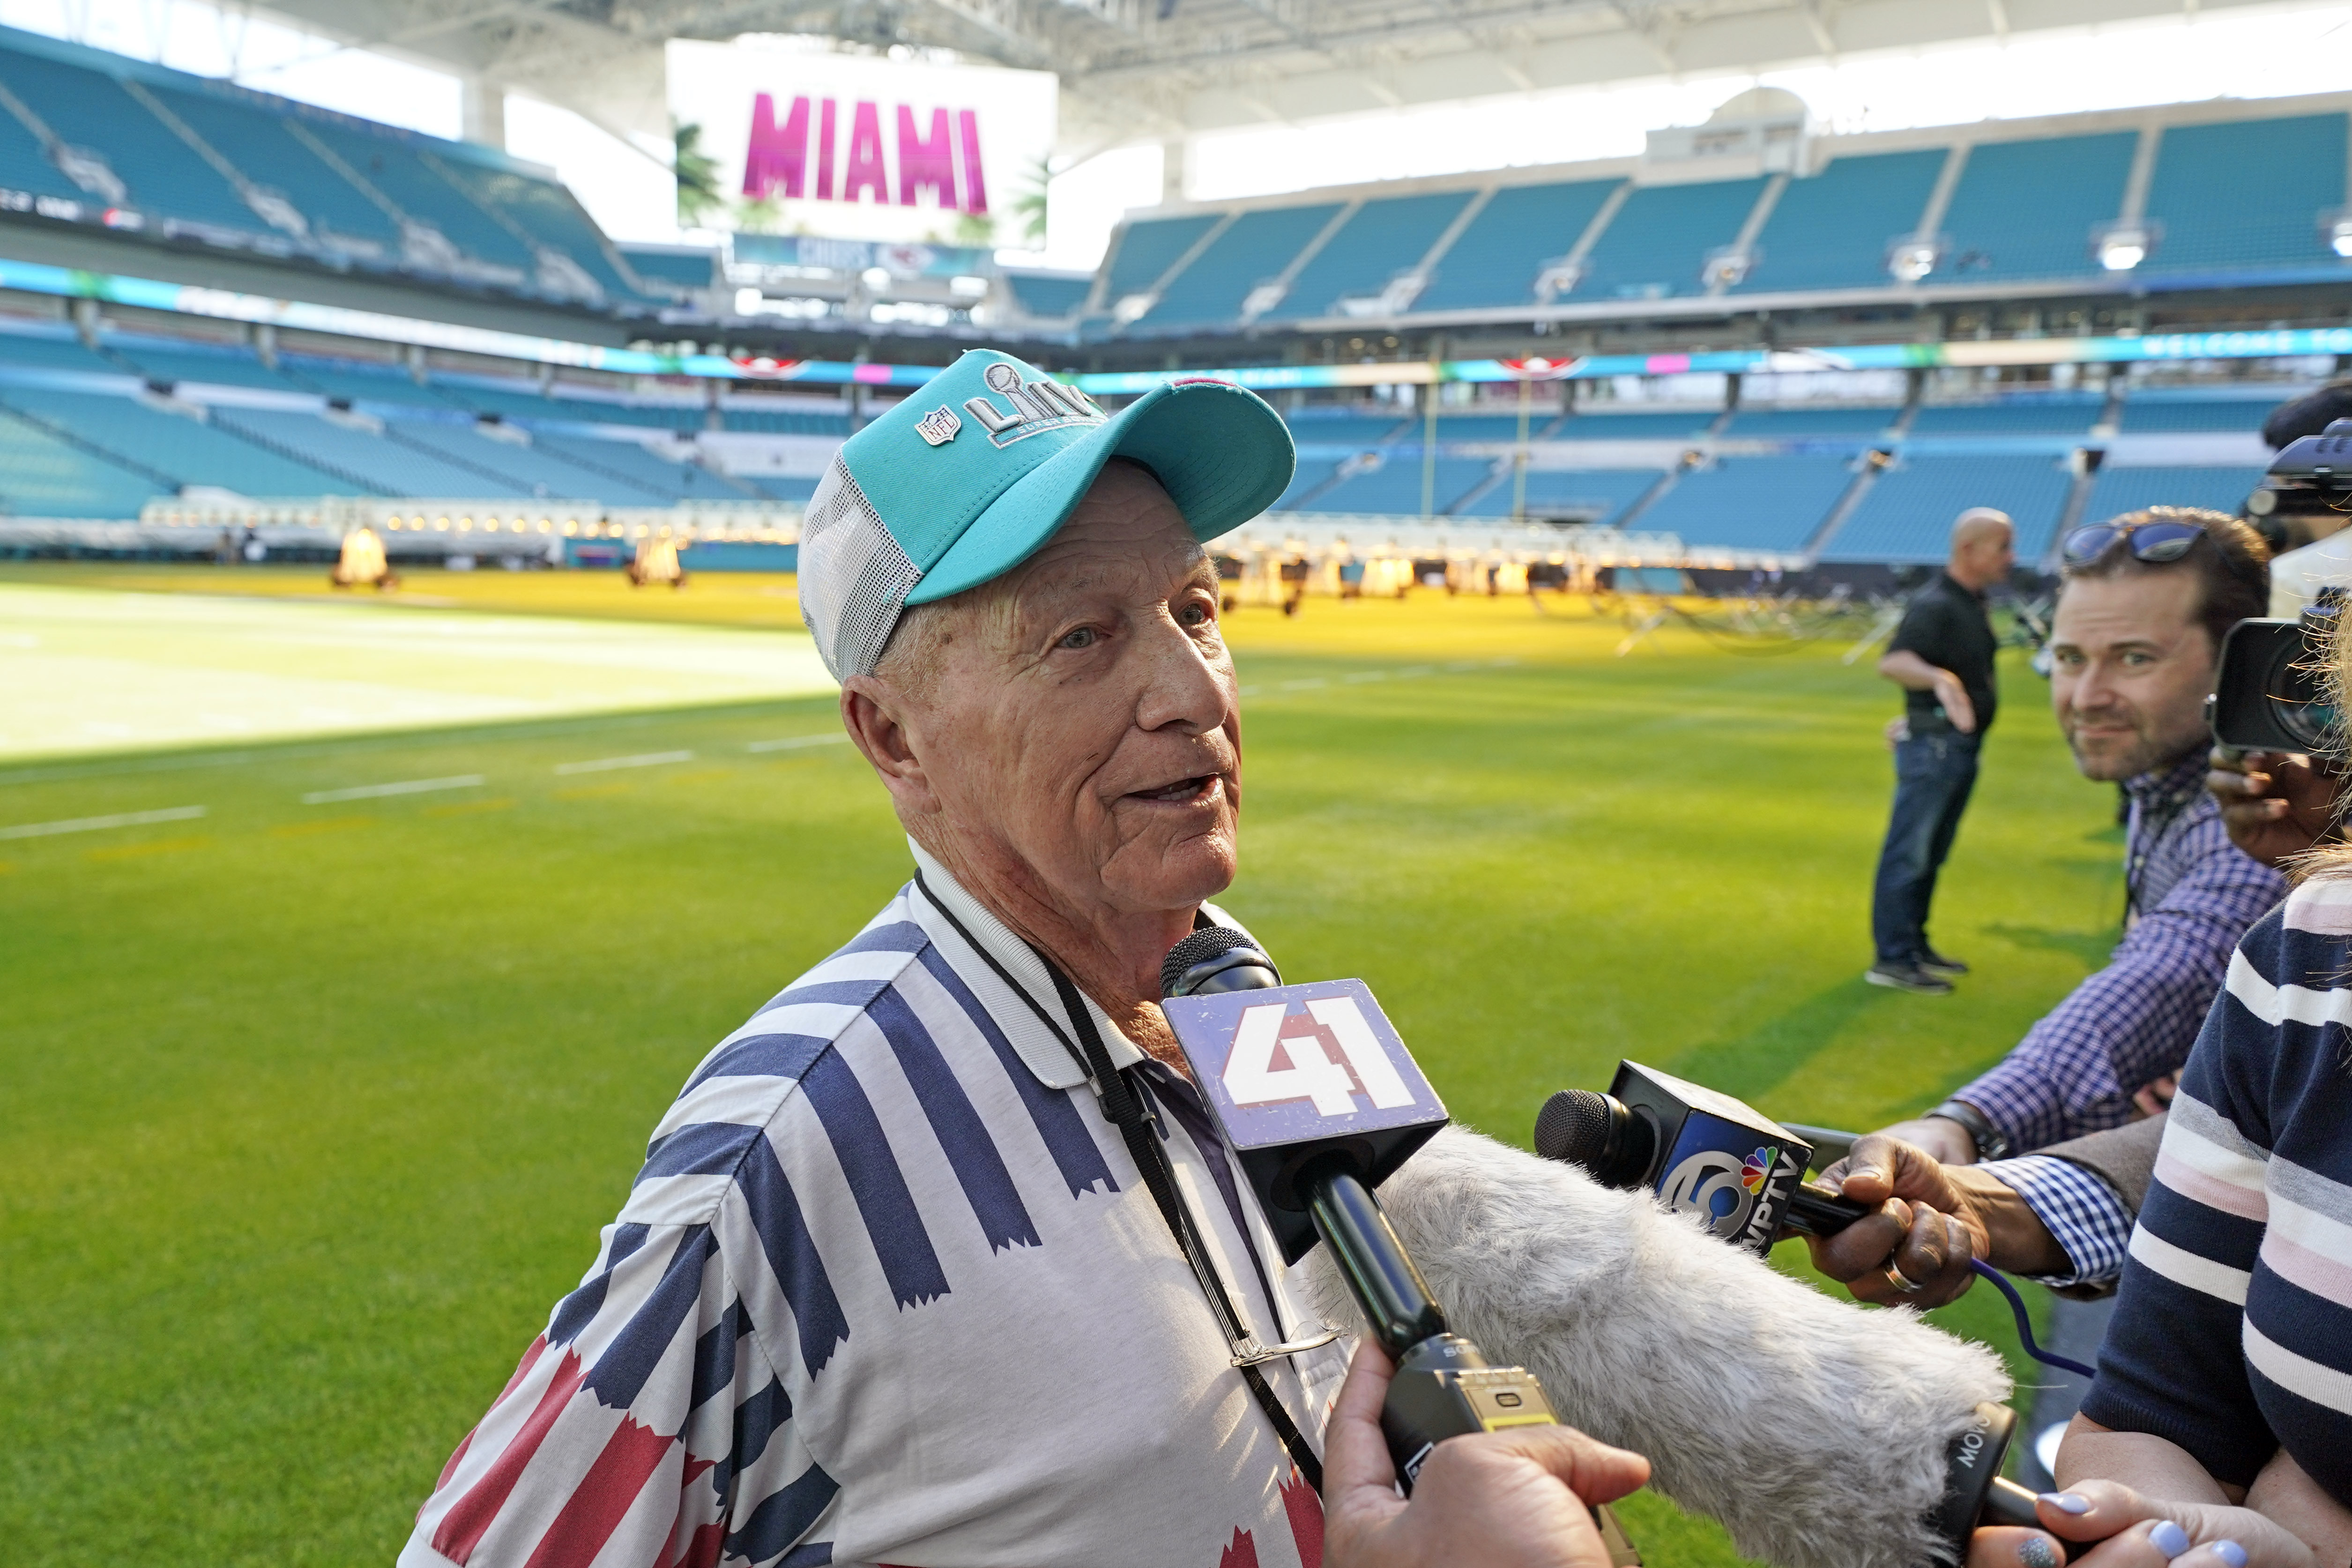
pixel 1124 1105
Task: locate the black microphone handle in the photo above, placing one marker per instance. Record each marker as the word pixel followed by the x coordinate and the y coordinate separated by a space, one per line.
pixel 1388 1288
pixel 1816 1210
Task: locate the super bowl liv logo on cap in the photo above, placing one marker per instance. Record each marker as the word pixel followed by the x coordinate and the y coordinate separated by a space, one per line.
pixel 1037 407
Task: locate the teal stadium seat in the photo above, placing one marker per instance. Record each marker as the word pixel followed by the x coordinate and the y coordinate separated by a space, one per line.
pixel 44 475
pixel 1833 229
pixel 2247 194
pixel 1382 238
pixel 1750 503
pixel 1657 243
pixel 1599 495
pixel 1047 298
pixel 1255 249
pixel 1908 513
pixel 164 175
pixel 1496 257
pixel 2027 209
pixel 1148 248
pixel 2129 489
pixel 251 132
pixel 2060 413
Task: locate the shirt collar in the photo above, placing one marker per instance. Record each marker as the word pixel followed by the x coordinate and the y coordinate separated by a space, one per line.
pixel 1017 1014
pixel 1957 586
pixel 2161 792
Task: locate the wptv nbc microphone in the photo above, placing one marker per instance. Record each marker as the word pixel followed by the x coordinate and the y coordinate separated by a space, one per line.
pixel 1814 1431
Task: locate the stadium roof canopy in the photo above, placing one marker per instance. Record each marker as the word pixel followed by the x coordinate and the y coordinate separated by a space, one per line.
pixel 1149 70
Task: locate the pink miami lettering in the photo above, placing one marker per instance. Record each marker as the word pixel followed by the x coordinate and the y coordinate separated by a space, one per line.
pixel 936 158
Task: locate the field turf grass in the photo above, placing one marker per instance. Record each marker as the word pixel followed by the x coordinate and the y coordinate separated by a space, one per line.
pixel 314 1110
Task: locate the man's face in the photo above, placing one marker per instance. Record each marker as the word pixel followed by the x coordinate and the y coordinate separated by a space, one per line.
pixel 2130 666
pixel 1083 720
pixel 1986 559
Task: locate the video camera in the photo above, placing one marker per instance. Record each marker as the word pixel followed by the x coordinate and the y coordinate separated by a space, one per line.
pixel 2272 690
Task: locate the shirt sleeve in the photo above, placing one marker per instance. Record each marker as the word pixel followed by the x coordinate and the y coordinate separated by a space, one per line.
pixel 2133 1021
pixel 643 1429
pixel 2082 1214
pixel 2172 1363
pixel 1925 630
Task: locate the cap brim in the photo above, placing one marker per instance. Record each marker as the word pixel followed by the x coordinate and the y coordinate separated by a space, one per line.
pixel 1222 455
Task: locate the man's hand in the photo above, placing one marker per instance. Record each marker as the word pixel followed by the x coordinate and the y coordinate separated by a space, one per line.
pixel 1932 1219
pixel 2136 1532
pixel 2275 805
pixel 1954 697
pixel 1939 1137
pixel 1517 1499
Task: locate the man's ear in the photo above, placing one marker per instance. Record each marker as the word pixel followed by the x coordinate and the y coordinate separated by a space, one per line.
pixel 875 716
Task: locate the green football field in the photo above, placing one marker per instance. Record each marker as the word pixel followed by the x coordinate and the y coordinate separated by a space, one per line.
pixel 317 1094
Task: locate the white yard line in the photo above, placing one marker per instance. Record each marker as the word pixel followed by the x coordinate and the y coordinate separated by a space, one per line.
pixel 607 764
pixel 406 786
pixel 92 824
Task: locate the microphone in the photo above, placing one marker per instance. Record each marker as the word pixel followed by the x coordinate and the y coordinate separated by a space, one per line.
pixel 1707 1153
pixel 1315 1134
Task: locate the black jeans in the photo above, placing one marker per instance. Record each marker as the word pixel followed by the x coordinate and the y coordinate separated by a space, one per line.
pixel 1932 776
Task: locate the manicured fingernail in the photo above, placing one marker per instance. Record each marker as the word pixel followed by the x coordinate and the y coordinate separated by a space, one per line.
pixel 2229 1551
pixel 2168 1538
pixel 2035 1552
pixel 2067 1501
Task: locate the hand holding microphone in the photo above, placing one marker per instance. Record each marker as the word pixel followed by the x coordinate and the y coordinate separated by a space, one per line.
pixel 1926 1221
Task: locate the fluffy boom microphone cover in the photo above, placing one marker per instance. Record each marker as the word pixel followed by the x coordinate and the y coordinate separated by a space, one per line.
pixel 1814 1429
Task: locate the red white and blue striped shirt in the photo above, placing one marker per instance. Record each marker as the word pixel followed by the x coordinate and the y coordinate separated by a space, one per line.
pixel 889 1289
pixel 2232 1333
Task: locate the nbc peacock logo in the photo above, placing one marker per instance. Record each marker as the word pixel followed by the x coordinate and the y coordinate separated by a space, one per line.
pixel 1757 1168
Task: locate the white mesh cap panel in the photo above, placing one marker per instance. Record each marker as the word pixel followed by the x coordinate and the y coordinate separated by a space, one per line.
pixel 854 577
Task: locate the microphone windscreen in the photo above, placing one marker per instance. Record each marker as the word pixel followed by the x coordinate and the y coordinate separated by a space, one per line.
pixel 1815 1429
pixel 1198 948
pixel 1573 1126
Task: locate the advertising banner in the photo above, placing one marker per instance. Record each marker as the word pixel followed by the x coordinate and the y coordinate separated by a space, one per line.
pixel 856 147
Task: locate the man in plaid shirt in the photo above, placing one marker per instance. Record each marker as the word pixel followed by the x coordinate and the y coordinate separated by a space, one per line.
pixel 2145 602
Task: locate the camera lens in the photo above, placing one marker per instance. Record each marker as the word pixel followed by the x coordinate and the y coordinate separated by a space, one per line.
pixel 2300 700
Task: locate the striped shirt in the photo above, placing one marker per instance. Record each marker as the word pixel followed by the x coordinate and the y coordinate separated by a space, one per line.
pixel 2193 894
pixel 2232 1333
pixel 889 1289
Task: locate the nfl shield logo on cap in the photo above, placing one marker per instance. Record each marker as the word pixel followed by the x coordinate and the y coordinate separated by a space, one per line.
pixel 909 513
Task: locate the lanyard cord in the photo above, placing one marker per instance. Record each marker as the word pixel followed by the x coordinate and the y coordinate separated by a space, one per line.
pixel 1123 1104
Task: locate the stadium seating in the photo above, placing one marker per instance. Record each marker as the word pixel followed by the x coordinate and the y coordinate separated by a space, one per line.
pixel 204 364
pixel 2027 209
pixel 783 421
pixel 46 347
pixel 1497 258
pixel 1255 247
pixel 1587 495
pixel 377 462
pixel 542 211
pixel 1330 424
pixel 2129 489
pixel 2057 414
pixel 1147 248
pixel 44 475
pixel 2247 194
pixel 25 166
pixel 1832 230
pixel 172 445
pixel 535 470
pixel 1381 239
pixel 1908 513
pixel 247 132
pixel 1663 425
pixel 1394 489
pixel 396 166
pixel 657 475
pixel 2162 411
pixel 1659 240
pixel 164 174
pixel 685 269
pixel 1750 503
pixel 1048 296
pixel 354 381
pixel 1762 423
pixel 1312 474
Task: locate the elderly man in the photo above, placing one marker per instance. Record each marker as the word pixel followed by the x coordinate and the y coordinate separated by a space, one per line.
pixel 901 1278
pixel 1942 657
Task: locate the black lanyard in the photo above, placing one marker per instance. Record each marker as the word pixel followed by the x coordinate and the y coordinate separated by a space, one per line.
pixel 1123 1103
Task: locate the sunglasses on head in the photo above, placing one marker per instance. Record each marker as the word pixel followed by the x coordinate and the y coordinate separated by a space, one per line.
pixel 2154 543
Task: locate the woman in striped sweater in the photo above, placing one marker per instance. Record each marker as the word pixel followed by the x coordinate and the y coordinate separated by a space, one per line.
pixel 2225 1387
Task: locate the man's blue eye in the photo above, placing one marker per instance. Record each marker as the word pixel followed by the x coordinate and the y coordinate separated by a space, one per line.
pixel 1084 637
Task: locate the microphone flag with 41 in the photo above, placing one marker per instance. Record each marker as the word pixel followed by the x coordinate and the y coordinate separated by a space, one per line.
pixel 1294 1072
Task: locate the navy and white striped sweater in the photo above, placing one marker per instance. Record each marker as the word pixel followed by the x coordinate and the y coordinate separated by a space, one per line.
pixel 2232 1337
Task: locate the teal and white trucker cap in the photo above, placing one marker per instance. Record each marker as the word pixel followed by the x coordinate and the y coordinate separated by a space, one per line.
pixel 969 476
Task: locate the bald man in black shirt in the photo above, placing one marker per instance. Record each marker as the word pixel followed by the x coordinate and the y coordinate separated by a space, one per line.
pixel 1942 657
